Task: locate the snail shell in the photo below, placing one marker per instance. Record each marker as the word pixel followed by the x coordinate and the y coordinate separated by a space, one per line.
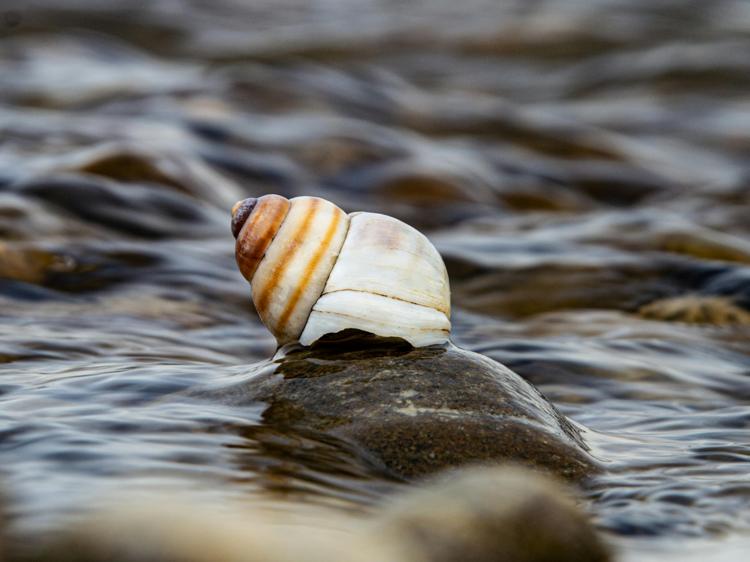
pixel 314 270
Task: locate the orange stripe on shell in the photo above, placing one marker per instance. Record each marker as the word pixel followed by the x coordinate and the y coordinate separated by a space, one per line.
pixel 310 269
pixel 262 295
pixel 293 273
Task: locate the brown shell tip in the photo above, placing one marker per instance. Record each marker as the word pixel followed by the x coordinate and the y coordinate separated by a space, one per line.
pixel 240 211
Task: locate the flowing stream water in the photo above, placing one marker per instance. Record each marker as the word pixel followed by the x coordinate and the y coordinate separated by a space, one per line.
pixel 583 167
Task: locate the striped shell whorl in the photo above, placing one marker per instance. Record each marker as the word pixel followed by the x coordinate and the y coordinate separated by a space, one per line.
pixel 314 270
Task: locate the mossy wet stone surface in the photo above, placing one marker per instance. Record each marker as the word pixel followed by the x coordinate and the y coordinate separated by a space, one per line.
pixel 416 410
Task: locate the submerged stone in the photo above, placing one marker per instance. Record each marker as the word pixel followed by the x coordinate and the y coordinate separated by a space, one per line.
pixel 697 309
pixel 28 264
pixel 416 410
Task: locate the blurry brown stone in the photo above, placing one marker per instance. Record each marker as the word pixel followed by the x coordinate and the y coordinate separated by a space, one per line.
pixel 490 515
pixel 28 264
pixel 703 243
pixel 695 309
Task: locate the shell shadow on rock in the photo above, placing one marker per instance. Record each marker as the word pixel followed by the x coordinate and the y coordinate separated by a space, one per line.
pixel 416 410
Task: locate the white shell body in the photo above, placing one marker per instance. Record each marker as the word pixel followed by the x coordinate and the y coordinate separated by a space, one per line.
pixel 388 280
pixel 325 271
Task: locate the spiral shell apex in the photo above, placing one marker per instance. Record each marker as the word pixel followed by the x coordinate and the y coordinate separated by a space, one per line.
pixel 314 270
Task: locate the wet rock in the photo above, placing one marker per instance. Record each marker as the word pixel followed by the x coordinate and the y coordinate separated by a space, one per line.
pixel 490 514
pixel 416 410
pixel 695 309
pixel 30 264
pixel 703 243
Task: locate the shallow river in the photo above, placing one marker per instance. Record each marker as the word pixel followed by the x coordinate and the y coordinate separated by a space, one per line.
pixel 583 167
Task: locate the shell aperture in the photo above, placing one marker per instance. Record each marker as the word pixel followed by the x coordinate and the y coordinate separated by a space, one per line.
pixel 315 270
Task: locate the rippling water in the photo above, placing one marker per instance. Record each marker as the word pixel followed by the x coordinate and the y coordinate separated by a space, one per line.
pixel 584 167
